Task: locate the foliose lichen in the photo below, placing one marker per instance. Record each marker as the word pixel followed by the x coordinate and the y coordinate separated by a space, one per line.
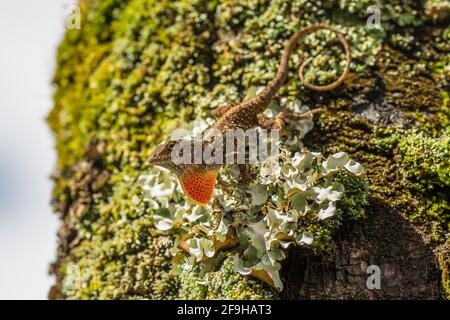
pixel 286 204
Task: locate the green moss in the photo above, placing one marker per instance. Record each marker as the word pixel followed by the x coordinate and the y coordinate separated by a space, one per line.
pixel 426 159
pixel 444 264
pixel 222 284
pixel 425 163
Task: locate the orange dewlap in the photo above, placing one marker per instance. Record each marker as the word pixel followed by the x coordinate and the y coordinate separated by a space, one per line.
pixel 199 187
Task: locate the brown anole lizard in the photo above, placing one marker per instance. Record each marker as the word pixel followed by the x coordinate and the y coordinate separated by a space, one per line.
pixel 198 180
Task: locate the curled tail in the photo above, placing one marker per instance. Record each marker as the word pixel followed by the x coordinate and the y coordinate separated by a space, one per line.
pixel 269 91
pixel 348 58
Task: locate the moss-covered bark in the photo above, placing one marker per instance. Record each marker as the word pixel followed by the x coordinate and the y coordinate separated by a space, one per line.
pixel 138 69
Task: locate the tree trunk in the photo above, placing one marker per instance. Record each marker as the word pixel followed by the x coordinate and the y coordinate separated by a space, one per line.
pixel 137 69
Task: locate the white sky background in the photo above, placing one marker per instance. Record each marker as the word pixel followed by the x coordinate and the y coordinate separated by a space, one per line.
pixel 29 34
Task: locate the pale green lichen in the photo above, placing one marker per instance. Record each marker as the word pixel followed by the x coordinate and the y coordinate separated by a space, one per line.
pixel 289 198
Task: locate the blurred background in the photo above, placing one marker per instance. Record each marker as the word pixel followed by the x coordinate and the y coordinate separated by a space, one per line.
pixel 29 34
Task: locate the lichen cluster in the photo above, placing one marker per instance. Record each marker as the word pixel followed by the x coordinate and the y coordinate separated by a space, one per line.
pixel 138 69
pixel 289 202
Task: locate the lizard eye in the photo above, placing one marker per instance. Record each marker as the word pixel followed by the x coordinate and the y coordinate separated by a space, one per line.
pixel 172 144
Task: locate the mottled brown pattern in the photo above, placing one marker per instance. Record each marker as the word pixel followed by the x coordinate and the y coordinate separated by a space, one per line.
pixel 248 114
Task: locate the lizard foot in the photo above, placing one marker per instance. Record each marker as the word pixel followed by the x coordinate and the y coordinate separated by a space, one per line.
pixel 271 123
pixel 302 116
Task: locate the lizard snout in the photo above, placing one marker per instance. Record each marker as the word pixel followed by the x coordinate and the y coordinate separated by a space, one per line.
pixel 157 155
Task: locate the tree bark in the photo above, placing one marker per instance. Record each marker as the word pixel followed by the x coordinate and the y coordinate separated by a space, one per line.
pixel 135 69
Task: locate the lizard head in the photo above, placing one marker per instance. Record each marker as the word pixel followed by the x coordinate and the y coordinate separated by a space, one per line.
pixel 197 180
pixel 162 156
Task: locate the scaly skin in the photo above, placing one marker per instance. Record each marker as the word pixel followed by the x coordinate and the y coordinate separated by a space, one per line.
pixel 198 179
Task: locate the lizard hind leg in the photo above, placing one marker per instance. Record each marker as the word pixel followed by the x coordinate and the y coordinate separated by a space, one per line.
pixel 279 122
pixel 302 116
pixel 271 123
pixel 220 111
